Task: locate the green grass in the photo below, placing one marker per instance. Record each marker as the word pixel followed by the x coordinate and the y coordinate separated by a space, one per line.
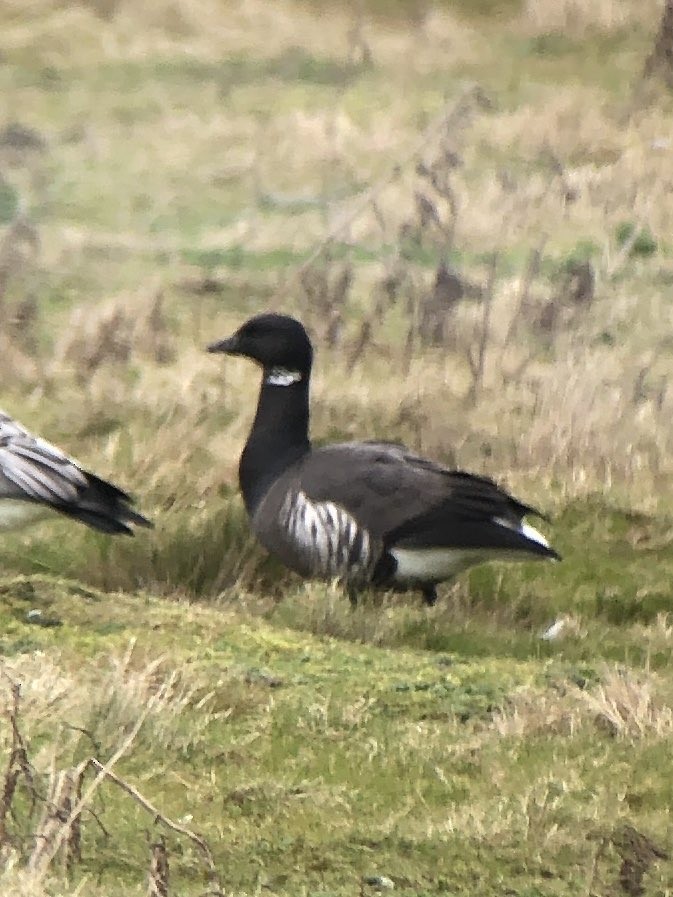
pixel 308 761
pixel 194 157
pixel 319 745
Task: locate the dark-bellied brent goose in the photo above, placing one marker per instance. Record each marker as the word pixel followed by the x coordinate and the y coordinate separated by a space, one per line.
pixel 35 478
pixel 365 513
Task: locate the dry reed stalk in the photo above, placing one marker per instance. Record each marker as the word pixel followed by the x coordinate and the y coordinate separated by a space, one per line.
pixel 532 271
pixel 660 60
pixel 18 764
pixel 157 885
pixel 449 117
pixel 621 257
pixel 63 832
pixel 478 364
pixel 53 828
pixel 158 816
pixel 12 772
pixel 20 236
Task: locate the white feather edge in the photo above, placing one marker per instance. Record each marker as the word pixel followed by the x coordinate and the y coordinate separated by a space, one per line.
pixel 525 529
pixel 282 377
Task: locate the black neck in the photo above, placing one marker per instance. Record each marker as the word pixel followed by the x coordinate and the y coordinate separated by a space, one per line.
pixel 278 438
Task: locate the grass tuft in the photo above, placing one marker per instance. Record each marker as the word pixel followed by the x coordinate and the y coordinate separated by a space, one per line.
pixel 468 204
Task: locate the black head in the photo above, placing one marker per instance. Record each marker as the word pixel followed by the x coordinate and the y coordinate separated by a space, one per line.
pixel 276 342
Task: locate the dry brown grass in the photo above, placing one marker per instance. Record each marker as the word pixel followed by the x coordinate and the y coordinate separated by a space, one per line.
pixel 196 152
pixel 575 18
pixel 578 397
pixel 95 704
pixel 624 704
pixel 73 728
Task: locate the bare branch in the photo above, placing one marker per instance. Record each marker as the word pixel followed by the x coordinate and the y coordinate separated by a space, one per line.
pixel 133 792
pixel 478 364
pixel 104 769
pixel 531 272
pixel 157 885
pixel 447 119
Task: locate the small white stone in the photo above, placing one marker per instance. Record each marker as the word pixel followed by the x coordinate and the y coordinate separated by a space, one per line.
pixel 554 631
pixel 380 882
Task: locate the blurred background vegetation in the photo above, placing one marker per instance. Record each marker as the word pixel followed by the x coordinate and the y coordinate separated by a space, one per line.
pixel 470 205
pixel 467 203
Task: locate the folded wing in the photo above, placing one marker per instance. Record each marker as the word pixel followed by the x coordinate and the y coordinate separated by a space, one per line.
pixel 32 470
pixel 408 501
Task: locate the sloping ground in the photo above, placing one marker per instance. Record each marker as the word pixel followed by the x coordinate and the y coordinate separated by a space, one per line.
pixel 490 761
pixel 174 164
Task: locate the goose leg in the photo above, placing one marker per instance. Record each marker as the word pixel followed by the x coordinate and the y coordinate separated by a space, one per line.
pixel 429 595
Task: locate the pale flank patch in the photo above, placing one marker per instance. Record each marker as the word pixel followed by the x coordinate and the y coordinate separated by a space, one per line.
pixel 421 564
pixel 328 534
pixel 282 377
pixel 16 514
pixel 554 631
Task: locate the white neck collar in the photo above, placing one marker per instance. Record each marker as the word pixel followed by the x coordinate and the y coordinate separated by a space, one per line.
pixel 281 377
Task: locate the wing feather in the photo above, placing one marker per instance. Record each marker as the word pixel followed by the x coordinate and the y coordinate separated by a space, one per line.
pixel 402 498
pixel 34 470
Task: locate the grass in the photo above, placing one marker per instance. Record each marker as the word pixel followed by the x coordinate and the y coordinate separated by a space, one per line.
pixel 183 162
pixel 309 761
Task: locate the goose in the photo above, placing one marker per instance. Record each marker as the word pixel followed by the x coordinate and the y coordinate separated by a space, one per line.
pixel 367 514
pixel 36 478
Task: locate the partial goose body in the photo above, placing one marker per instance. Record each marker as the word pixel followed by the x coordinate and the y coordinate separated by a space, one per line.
pixel 374 513
pixel 36 478
pixel 365 513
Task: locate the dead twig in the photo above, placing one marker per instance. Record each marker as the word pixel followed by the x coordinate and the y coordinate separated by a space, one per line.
pixel 478 363
pixel 622 256
pixel 18 764
pixel 58 824
pixel 447 119
pixel 157 885
pixel 84 800
pixel 19 240
pixel 359 50
pixel 568 192
pixel 531 272
pixel 158 816
pixel 660 59
pixel 361 343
